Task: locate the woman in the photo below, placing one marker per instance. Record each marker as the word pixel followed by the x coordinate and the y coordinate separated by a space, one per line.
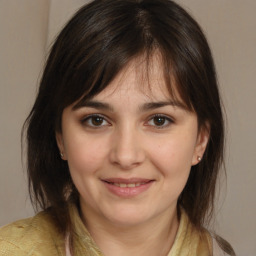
pixel 125 138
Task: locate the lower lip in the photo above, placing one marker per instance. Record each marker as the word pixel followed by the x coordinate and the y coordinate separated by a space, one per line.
pixel 128 192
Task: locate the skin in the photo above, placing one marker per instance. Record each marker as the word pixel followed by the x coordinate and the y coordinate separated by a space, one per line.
pixel 127 141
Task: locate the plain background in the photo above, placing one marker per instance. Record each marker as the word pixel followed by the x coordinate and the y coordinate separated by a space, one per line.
pixel 27 28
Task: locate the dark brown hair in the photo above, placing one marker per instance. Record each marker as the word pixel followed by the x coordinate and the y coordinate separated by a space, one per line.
pixel 98 42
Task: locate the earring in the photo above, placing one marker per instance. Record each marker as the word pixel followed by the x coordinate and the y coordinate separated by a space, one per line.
pixel 61 155
pixel 199 159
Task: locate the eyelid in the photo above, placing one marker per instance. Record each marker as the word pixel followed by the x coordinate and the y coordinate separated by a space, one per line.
pixel 168 118
pixel 87 117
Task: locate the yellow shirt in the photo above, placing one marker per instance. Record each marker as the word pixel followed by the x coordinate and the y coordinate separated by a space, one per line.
pixel 38 236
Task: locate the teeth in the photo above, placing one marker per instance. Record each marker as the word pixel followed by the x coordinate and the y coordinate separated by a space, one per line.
pixel 130 185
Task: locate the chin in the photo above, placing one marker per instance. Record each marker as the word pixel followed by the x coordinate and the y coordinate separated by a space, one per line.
pixel 128 221
pixel 127 217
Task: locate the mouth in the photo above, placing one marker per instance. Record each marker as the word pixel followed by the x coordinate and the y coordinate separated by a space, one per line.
pixel 127 187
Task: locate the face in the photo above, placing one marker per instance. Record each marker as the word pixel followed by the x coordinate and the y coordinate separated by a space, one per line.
pixel 130 148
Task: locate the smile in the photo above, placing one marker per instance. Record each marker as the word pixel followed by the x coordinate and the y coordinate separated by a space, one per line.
pixel 130 185
pixel 127 187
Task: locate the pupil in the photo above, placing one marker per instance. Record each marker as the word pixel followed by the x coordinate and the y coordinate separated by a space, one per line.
pixel 97 120
pixel 159 120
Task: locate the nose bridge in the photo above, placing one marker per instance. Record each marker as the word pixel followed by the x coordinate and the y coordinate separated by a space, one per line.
pixel 127 149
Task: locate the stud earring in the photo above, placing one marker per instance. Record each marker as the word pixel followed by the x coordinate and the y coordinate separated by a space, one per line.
pixel 199 159
pixel 61 155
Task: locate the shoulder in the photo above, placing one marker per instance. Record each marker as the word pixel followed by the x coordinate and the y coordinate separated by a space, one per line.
pixel 33 236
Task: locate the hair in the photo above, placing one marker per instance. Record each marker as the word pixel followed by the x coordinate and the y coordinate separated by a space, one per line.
pixel 94 46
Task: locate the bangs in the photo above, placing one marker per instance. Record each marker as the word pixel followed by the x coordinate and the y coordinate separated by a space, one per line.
pixel 144 66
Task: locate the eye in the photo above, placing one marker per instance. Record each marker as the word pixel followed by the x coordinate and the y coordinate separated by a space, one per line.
pixel 95 121
pixel 160 121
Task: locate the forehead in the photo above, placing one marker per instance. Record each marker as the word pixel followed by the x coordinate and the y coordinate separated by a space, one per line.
pixel 142 76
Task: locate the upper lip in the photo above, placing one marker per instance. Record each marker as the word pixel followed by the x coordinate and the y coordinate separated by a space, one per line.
pixel 126 181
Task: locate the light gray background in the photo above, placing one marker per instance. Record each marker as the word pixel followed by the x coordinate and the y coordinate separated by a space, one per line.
pixel 26 29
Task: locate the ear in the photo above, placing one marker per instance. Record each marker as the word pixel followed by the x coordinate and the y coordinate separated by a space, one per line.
pixel 59 140
pixel 201 144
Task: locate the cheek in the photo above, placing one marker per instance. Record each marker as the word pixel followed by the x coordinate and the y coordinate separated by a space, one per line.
pixel 173 162
pixel 84 154
pixel 85 158
pixel 175 153
pixel 173 159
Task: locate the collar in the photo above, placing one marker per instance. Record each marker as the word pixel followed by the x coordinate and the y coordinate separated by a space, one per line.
pixel 188 242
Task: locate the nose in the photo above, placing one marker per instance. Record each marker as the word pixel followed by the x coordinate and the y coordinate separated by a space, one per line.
pixel 127 149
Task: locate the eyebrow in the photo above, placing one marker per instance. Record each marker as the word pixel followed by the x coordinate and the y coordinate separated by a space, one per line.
pixel 144 107
pixel 160 104
pixel 93 104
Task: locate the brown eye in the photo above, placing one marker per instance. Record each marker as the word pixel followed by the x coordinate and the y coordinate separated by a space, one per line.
pixel 95 121
pixel 159 120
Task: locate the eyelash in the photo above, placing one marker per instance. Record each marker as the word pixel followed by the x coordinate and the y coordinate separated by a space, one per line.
pixel 87 119
pixel 166 119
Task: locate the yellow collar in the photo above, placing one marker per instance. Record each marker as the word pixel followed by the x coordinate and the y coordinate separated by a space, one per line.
pixel 188 242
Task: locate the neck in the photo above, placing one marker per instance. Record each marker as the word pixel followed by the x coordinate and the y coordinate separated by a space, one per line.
pixel 154 237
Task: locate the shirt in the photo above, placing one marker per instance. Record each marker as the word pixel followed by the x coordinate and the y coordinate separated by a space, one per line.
pixel 38 236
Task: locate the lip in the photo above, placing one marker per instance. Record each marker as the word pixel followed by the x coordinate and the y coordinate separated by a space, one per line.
pixel 127 192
